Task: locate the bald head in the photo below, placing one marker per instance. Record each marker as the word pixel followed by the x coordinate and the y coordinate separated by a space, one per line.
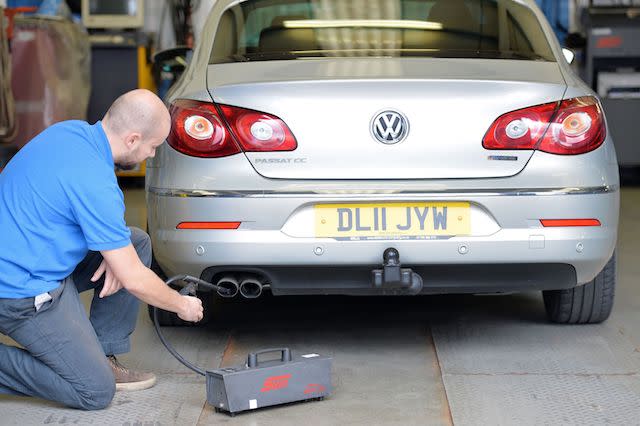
pixel 136 124
pixel 138 111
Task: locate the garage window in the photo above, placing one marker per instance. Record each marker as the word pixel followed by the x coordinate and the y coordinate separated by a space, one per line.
pixel 261 30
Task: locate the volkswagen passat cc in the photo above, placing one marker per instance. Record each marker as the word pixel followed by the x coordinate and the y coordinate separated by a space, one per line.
pixel 387 147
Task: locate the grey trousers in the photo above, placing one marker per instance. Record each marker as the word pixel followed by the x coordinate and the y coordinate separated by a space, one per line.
pixel 64 352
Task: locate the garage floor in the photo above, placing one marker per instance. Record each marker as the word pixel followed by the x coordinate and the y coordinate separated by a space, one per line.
pixel 464 360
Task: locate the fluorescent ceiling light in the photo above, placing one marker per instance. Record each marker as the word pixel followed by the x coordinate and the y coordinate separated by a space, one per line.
pixel 363 23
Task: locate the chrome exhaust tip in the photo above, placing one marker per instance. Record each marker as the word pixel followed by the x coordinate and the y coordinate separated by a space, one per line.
pixel 250 288
pixel 230 284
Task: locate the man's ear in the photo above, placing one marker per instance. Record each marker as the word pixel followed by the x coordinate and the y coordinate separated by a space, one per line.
pixel 132 140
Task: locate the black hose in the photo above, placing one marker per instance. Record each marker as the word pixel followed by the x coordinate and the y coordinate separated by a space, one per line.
pixel 190 288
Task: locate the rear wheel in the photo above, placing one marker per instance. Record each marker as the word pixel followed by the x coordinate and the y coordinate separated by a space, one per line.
pixel 586 304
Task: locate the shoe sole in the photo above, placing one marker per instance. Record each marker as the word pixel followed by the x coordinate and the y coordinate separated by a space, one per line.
pixel 136 386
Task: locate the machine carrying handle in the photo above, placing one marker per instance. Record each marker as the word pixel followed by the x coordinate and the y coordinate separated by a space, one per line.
pixel 252 359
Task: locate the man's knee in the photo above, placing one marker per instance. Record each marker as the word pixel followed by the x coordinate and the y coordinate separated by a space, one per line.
pixel 99 394
pixel 98 400
pixel 142 243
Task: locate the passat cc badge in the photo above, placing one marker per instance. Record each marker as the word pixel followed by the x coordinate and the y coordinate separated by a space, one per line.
pixel 390 127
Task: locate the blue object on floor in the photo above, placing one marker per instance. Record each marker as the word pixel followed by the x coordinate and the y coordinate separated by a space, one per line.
pixel 55 8
pixel 24 3
pixel 557 12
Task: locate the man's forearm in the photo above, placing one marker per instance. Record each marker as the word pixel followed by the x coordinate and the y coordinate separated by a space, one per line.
pixel 149 288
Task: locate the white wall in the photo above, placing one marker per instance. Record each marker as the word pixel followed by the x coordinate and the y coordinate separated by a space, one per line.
pixel 575 14
pixel 153 14
pixel 199 16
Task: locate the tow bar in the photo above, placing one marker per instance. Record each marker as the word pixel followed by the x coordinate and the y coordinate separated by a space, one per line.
pixel 392 278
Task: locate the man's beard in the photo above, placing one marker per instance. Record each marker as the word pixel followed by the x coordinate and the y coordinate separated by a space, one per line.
pixel 126 166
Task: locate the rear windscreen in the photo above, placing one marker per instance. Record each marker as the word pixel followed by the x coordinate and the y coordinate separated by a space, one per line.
pixel 259 30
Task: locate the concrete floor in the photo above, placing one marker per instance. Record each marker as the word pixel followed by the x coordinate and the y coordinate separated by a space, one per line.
pixel 464 360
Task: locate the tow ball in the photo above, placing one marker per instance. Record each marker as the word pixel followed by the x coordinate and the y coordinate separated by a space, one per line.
pixel 392 278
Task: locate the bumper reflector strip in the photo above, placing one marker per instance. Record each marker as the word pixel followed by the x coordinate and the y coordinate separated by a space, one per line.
pixel 569 222
pixel 208 225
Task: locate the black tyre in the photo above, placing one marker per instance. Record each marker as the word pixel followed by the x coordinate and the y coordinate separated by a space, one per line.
pixel 586 304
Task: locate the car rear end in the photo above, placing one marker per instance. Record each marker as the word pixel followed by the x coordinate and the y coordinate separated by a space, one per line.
pixel 309 139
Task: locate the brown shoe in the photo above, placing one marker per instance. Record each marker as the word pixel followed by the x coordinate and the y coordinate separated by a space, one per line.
pixel 130 380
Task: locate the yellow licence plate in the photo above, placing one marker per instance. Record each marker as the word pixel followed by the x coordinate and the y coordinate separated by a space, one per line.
pixel 392 220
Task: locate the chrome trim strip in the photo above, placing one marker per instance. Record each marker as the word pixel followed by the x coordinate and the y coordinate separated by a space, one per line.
pixel 447 193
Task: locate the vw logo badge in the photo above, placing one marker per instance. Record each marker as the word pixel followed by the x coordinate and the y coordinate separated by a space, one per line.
pixel 390 127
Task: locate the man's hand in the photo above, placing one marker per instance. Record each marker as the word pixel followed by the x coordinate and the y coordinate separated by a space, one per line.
pixel 137 279
pixel 111 283
pixel 192 309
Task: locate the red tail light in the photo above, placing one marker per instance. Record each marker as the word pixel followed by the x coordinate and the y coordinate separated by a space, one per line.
pixel 570 127
pixel 208 225
pixel 257 131
pixel 569 222
pixel 199 130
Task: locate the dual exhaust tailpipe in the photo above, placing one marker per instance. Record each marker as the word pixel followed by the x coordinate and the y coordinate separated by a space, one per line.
pixel 249 287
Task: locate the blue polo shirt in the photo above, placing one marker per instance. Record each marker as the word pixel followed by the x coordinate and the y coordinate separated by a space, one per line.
pixel 59 198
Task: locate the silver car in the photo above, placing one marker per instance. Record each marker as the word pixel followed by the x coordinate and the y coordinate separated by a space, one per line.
pixel 387 147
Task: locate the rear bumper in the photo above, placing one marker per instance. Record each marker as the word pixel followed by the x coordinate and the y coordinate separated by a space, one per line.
pixel 438 279
pixel 520 255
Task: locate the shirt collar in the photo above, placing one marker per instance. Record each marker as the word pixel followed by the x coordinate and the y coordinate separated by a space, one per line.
pixel 103 143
